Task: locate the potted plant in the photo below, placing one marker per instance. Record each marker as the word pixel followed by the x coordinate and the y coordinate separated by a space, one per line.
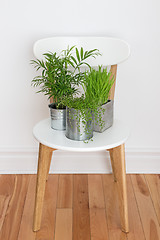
pixel 79 119
pixel 97 85
pixel 60 78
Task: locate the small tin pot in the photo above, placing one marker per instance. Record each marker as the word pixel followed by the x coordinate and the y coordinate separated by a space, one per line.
pixel 106 115
pixel 76 128
pixel 58 117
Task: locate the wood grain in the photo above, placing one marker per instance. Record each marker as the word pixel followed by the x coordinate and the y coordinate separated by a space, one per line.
pixel 6 191
pixel 113 71
pixel 49 162
pixel 81 220
pixel 112 163
pixel 112 209
pixel 95 189
pixel 65 191
pixel 118 157
pixel 43 163
pixel 26 231
pixel 17 204
pixel 47 229
pixel 99 229
pixel 136 227
pixel 63 228
pixel 4 202
pixel 12 221
pixel 153 181
pixel 146 209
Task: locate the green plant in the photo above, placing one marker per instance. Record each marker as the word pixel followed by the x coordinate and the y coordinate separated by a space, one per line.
pixel 85 109
pixel 82 113
pixel 97 85
pixel 61 75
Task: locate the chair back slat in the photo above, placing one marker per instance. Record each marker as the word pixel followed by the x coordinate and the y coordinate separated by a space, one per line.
pixel 113 74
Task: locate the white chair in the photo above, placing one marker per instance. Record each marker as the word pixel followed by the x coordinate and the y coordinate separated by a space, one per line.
pixel 114 52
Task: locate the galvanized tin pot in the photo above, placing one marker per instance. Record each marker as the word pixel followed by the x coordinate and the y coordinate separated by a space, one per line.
pixel 107 117
pixel 76 129
pixel 58 117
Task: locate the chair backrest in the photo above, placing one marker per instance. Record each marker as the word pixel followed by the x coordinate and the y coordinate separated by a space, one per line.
pixel 113 50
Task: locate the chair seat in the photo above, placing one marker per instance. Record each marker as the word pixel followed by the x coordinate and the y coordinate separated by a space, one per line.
pixel 112 137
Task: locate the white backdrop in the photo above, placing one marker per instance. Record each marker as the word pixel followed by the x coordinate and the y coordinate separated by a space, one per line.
pixel 138 84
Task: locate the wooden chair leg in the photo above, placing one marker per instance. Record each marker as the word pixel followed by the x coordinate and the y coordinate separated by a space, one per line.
pixel 49 163
pixel 118 164
pixel 112 163
pixel 43 166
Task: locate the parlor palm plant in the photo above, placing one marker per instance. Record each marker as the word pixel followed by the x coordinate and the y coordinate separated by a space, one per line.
pixel 61 75
pixel 59 79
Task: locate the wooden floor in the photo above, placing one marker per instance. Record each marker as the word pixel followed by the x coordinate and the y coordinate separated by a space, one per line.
pixel 79 207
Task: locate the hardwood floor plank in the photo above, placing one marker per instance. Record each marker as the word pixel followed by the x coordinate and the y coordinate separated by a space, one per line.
pixel 65 191
pixel 112 208
pixel 4 202
pixel 63 228
pixel 6 190
pixel 135 224
pixel 26 227
pixel 146 209
pixel 81 220
pixel 99 229
pixel 11 225
pixel 46 231
pixel 153 181
pixel 95 189
pixel 17 195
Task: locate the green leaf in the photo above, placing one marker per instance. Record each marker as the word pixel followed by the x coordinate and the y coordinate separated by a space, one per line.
pixel 81 53
pixel 74 59
pixel 71 63
pixel 77 54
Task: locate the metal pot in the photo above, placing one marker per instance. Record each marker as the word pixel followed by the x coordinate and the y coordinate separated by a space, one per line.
pixel 76 128
pixel 58 117
pixel 107 117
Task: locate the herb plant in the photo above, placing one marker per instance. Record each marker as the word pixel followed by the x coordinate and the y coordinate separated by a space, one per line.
pixel 61 75
pixel 97 85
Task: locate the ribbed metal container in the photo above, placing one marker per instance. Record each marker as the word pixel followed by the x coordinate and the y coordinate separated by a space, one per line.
pixel 58 117
pixel 76 129
pixel 107 116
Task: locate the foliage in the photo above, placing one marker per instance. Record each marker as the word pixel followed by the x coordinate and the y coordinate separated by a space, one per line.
pixel 82 113
pixel 97 85
pixel 85 110
pixel 61 75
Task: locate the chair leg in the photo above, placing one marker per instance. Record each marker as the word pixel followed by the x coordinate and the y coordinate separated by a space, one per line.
pixel 118 164
pixel 49 163
pixel 43 166
pixel 112 163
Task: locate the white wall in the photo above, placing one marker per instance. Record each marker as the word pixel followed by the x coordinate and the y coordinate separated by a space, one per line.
pixel 137 94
